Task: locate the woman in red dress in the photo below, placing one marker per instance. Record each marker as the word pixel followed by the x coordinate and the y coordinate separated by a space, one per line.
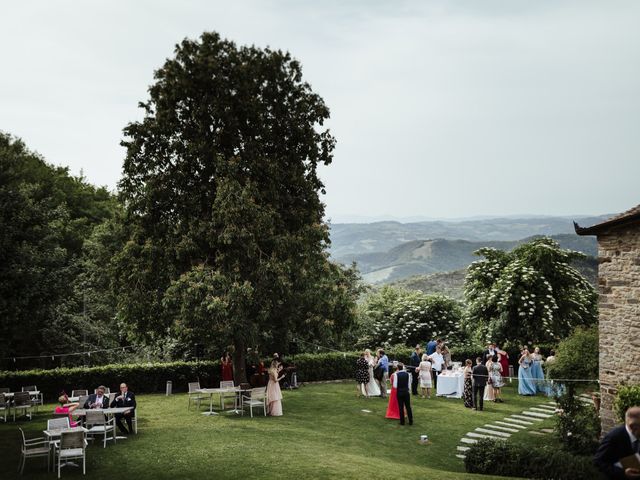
pixel 227 367
pixel 503 358
pixel 392 409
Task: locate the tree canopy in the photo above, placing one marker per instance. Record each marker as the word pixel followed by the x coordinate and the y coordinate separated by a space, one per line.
pixel 45 217
pixel 227 241
pixel 531 294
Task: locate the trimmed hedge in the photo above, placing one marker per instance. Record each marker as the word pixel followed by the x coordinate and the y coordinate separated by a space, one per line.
pixel 141 378
pixel 153 377
pixel 502 458
pixel 628 396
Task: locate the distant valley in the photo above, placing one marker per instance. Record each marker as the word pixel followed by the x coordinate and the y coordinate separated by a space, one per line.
pixel 437 262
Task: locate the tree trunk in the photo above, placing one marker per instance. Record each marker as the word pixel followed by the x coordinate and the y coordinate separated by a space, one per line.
pixel 239 362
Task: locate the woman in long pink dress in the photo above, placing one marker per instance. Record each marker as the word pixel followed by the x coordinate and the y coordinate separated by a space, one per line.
pixel 392 409
pixel 274 394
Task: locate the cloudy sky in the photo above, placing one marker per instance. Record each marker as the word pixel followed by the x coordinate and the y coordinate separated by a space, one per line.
pixel 440 109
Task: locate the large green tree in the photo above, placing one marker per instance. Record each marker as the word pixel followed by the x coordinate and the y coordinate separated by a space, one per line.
pixel 221 187
pixel 45 217
pixel 531 294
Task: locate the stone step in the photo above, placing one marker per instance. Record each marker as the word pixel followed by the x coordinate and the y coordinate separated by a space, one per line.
pixel 500 427
pixel 542 410
pixel 552 403
pixel 511 425
pixel 493 433
pixel 468 440
pixel 462 449
pixel 461 456
pixel 547 430
pixel 533 432
pixel 547 407
pixel 520 419
pixel 537 415
pixel 480 435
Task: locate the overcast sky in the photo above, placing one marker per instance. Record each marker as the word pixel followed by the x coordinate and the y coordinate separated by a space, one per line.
pixel 440 109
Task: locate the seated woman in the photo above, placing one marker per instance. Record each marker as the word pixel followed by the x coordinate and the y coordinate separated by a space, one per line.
pixel 67 408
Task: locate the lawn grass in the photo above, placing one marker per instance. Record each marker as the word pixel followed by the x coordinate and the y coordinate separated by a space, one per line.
pixel 324 433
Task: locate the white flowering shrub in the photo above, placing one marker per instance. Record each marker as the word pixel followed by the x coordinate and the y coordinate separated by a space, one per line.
pixel 529 295
pixel 392 316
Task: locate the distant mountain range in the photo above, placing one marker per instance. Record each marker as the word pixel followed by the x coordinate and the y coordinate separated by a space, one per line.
pixel 388 252
pixel 358 238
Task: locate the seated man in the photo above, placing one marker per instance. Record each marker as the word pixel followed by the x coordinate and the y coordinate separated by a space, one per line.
pixel 98 399
pixel 125 399
pixel 621 442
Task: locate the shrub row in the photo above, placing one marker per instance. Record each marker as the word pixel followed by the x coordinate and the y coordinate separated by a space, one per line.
pixel 152 377
pixel 497 457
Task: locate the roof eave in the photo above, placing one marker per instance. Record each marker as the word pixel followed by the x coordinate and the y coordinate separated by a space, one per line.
pixel 601 227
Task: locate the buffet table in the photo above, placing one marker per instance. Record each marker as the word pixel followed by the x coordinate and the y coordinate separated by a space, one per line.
pixel 450 384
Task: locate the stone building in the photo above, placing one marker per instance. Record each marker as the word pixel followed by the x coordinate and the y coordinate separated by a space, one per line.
pixel 619 305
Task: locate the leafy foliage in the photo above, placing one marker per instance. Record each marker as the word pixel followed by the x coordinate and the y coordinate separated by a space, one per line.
pixel 577 425
pixel 45 216
pixel 227 239
pixel 628 396
pixel 529 295
pixel 392 316
pixel 509 459
pixel 577 356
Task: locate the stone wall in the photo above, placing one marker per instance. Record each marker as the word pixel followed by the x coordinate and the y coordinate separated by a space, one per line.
pixel 619 303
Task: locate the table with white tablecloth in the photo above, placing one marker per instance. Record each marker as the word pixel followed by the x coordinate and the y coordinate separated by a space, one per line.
pixel 450 385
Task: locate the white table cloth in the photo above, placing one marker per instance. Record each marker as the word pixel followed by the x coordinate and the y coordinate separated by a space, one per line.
pixel 450 385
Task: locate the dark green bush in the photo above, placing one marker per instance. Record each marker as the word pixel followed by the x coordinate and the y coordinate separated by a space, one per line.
pixel 152 377
pixel 141 378
pixel 502 458
pixel 578 425
pixel 628 396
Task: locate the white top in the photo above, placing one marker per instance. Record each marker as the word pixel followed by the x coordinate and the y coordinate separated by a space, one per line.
pixel 438 361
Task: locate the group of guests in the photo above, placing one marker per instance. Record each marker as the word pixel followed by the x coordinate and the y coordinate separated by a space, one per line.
pixel 372 373
pixel 100 400
pixel 427 366
pixel 482 382
pixel 531 379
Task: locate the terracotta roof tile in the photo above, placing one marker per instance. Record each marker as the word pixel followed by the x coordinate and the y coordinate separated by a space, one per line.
pixel 631 215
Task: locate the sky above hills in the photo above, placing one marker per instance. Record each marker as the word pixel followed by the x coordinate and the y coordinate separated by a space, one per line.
pixel 440 109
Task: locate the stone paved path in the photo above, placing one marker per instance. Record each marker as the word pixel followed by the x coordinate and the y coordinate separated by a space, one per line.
pixel 503 429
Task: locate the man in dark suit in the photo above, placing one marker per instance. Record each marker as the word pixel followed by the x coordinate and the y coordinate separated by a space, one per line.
pixel 125 399
pixel 98 399
pixel 402 383
pixel 479 374
pixel 620 442
pixel 489 353
pixel 415 363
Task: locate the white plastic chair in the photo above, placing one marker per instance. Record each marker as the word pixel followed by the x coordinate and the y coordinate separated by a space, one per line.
pixel 257 398
pixel 79 393
pixel 224 396
pixel 5 407
pixel 194 395
pixel 97 424
pixel 36 398
pixel 22 401
pixel 60 423
pixel 71 446
pixel 32 448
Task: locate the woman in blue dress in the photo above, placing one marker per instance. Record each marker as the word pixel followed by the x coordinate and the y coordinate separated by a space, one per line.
pixel 526 383
pixel 537 373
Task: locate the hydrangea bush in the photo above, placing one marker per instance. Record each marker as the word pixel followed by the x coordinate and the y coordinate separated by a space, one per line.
pixel 392 316
pixel 529 295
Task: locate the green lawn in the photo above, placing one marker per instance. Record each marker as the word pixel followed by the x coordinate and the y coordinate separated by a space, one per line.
pixel 324 433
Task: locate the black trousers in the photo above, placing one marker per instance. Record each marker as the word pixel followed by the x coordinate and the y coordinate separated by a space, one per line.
pixel 404 401
pixel 435 379
pixel 119 417
pixel 478 397
pixel 414 381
